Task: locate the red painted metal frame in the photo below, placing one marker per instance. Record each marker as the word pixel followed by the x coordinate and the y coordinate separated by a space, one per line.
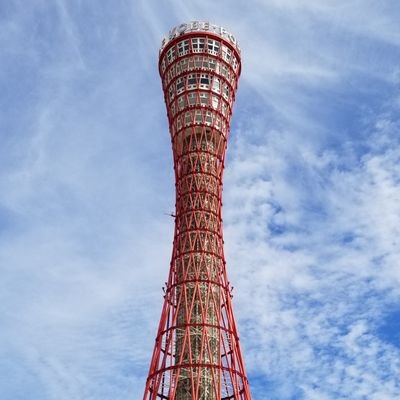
pixel 197 354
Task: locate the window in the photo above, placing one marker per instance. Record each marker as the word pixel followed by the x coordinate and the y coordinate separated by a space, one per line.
pixel 212 63
pixel 198 45
pixel 171 55
pixel 191 63
pixel 181 103
pixel 208 118
pixel 192 81
pixel 173 108
pixel 180 85
pixel 224 109
pixel 184 65
pixel 171 73
pixel 163 65
pixel 215 101
pixel 216 85
pixel 235 63
pixel 171 92
pixel 204 81
pixel 191 99
pixel 213 47
pixel 225 71
pixel 198 117
pixel 226 53
pixel 188 118
pixel 198 61
pixel 225 92
pixel 208 63
pixel 204 98
pixel 183 47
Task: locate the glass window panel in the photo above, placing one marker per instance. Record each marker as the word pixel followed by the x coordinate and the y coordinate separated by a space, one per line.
pixel 171 92
pixel 198 118
pixel 204 98
pixel 224 109
pixel 181 102
pixel 191 99
pixel 198 44
pixel 216 86
pixel 188 117
pixel 208 118
pixel 183 47
pixel 225 92
pixel 192 82
pixel 212 62
pixel 204 80
pixel 180 85
pixel 198 61
pixel 215 101
pixel 213 46
pixel 171 54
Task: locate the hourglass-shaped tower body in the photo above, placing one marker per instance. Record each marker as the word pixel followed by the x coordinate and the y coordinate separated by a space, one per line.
pixel 197 354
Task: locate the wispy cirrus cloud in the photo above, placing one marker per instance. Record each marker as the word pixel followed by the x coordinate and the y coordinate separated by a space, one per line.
pixel 322 226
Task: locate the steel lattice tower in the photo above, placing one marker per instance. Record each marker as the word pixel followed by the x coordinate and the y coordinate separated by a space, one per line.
pixel 197 354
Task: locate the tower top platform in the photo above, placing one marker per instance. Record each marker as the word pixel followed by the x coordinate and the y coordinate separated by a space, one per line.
pixel 204 27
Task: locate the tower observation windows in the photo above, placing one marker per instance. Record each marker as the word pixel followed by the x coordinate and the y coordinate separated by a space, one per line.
pixel 224 109
pixel 180 85
pixel 218 122
pixel 192 98
pixel 171 92
pixel 171 73
pixel 212 63
pixel 225 71
pixel 198 117
pixel 198 45
pixel 192 81
pixel 213 47
pixel 163 65
pixel 226 53
pixel 216 85
pixel 225 91
pixel 191 63
pixel 235 63
pixel 215 101
pixel 171 55
pixel 208 63
pixel 208 119
pixel 204 96
pixel 183 47
pixel 181 103
pixel 188 118
pixel 198 61
pixel 181 66
pixel 204 81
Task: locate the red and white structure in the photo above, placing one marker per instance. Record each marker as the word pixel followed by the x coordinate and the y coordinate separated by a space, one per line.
pixel 197 354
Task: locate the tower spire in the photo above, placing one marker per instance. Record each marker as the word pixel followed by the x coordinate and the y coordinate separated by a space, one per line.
pixel 197 354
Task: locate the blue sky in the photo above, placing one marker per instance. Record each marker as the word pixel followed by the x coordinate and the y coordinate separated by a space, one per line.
pixel 311 198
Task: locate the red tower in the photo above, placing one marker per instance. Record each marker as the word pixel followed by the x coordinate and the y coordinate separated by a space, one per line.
pixel 197 354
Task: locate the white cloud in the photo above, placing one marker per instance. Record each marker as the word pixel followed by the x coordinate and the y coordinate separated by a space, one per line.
pixel 314 291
